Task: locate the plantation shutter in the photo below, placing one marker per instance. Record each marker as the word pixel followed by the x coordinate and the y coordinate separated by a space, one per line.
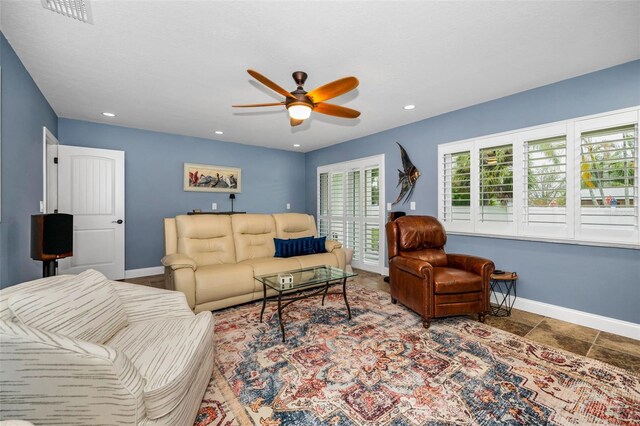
pixel 456 196
pixel 350 196
pixel 495 202
pixel 608 178
pixel 545 177
pixel 336 206
pixel 323 204
pixel 354 208
pixel 371 216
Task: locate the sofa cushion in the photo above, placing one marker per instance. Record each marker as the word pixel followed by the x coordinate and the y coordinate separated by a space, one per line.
pixel 294 225
pixel 168 355
pixel 29 286
pixel 85 307
pixel 320 245
pixel 270 265
pixel 253 235
pixel 450 280
pixel 293 247
pixel 207 239
pixel 219 282
pixel 318 259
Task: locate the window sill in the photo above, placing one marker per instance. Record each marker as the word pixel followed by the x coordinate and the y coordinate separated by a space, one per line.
pixel 549 240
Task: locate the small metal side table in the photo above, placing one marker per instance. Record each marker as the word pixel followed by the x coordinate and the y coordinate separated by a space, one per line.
pixel 503 293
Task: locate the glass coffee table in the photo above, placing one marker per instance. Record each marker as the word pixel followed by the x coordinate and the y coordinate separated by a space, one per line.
pixel 321 277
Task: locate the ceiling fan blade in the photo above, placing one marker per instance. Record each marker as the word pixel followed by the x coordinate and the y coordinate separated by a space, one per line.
pixel 294 122
pixel 258 105
pixel 270 84
pixel 333 89
pixel 336 110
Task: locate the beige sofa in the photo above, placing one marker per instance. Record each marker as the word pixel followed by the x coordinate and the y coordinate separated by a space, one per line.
pixel 213 259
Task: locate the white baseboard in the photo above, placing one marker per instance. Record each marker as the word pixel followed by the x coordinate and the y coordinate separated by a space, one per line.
pixel 143 272
pixel 599 322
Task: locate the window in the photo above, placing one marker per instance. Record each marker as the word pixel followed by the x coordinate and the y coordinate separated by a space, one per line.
pixel 496 184
pixel 350 196
pixel 545 166
pixel 457 182
pixel 576 180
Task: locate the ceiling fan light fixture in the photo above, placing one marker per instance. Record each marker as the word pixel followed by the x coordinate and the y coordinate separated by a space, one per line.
pixel 299 111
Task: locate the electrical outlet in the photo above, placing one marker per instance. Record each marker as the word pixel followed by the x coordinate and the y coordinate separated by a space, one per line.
pixel 413 205
pixel 214 206
pixel 41 206
pixel 288 206
pixel 389 206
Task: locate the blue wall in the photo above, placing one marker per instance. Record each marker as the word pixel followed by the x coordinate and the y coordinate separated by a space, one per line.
pixel 24 112
pixel 604 281
pixel 153 179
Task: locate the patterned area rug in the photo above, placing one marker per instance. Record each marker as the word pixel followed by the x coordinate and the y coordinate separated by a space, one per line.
pixel 383 368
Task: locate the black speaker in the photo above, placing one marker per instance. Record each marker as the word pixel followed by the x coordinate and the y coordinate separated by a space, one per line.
pixel 394 215
pixel 51 236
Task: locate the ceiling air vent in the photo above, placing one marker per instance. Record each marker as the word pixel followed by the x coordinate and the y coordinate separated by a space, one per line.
pixel 76 9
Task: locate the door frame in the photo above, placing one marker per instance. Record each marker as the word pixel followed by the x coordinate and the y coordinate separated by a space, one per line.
pixel 49 147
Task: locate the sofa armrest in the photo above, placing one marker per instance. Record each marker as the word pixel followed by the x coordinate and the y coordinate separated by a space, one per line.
pixel 477 265
pixel 66 378
pixel 415 267
pixel 142 303
pixel 331 245
pixel 178 261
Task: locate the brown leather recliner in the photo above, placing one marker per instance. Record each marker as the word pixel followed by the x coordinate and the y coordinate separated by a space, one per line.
pixel 429 281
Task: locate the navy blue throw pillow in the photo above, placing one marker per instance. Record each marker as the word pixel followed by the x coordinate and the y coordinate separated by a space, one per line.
pixel 319 245
pixel 293 247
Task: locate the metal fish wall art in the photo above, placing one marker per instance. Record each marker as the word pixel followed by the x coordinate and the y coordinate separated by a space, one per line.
pixel 406 178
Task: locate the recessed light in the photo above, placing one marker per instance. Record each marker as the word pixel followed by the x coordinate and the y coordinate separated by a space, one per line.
pixel 296 145
pixel 409 106
pixel 219 132
pixel 108 114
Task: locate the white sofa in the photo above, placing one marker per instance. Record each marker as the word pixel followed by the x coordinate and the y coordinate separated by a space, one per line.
pixel 213 259
pixel 83 350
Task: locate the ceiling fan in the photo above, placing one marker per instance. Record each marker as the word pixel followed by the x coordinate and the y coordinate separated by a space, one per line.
pixel 300 103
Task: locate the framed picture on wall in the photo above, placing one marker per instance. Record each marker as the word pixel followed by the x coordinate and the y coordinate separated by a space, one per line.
pixel 205 178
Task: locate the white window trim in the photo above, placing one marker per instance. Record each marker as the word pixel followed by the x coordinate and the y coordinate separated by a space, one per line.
pixel 569 233
pixel 362 164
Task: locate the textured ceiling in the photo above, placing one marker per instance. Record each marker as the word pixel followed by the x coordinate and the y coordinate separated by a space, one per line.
pixel 178 66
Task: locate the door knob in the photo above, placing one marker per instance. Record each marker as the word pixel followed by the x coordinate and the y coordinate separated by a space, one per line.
pixel 119 221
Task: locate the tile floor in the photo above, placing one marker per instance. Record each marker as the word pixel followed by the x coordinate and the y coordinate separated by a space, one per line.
pixel 613 349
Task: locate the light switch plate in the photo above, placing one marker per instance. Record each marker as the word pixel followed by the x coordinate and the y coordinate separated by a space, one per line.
pixel 413 205
pixel 214 206
pixel 389 206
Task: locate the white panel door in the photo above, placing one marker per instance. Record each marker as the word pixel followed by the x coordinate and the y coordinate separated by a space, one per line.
pixel 91 188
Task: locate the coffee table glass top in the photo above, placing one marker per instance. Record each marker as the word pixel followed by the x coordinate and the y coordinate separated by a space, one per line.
pixel 305 277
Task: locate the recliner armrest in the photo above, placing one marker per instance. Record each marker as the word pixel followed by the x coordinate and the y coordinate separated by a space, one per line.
pixel 178 261
pixel 475 264
pixel 331 245
pixel 418 268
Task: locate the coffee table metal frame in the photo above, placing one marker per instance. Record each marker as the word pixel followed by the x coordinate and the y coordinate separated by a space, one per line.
pixel 304 279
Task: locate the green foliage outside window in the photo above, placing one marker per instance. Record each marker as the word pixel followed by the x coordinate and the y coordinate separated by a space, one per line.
pixel 607 166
